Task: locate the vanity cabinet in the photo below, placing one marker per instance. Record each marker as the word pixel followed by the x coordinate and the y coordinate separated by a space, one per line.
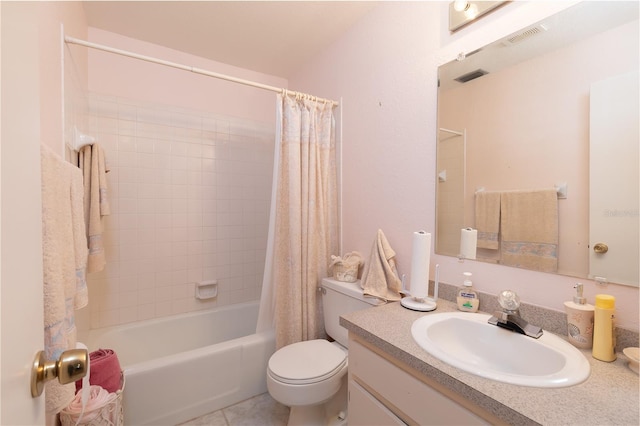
pixel 384 391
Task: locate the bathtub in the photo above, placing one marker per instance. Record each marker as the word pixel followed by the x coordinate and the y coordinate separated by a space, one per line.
pixel 180 367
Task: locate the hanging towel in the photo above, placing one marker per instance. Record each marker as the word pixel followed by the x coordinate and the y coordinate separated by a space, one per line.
pixel 96 204
pixel 488 219
pixel 380 278
pixel 64 250
pixel 529 229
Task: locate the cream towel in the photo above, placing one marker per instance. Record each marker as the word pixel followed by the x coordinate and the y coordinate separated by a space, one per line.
pixel 488 219
pixel 380 278
pixel 96 204
pixel 64 249
pixel 529 228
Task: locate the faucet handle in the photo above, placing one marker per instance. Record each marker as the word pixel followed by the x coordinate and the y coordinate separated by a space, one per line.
pixel 509 300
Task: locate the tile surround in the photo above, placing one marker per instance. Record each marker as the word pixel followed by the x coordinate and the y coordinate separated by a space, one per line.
pixel 189 194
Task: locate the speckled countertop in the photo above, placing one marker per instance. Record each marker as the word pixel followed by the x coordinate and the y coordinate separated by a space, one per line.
pixel 610 396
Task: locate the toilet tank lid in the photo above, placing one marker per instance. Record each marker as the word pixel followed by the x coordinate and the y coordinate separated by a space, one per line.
pixel 350 289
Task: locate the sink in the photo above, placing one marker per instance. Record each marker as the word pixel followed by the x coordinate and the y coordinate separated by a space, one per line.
pixel 466 341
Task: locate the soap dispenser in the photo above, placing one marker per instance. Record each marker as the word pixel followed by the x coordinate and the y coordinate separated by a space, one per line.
pixel 579 320
pixel 467 297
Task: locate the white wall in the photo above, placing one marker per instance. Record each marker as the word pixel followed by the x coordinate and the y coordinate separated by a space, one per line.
pixel 190 183
pixel 385 70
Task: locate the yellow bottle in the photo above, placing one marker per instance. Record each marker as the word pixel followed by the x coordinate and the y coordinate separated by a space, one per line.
pixel 604 336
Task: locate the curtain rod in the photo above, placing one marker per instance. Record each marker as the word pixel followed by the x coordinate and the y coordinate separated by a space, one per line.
pixel 195 70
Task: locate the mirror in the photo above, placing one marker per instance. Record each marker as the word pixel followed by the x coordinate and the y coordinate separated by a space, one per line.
pixel 520 114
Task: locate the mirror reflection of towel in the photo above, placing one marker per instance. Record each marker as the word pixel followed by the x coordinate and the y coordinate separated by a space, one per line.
pixel 529 229
pixel 380 278
pixel 488 219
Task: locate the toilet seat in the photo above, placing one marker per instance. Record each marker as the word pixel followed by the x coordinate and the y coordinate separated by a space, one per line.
pixel 307 362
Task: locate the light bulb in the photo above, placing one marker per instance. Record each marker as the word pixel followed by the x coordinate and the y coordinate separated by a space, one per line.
pixel 460 5
pixel 471 12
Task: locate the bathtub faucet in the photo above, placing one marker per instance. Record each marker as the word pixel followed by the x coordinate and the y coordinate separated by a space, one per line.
pixel 509 317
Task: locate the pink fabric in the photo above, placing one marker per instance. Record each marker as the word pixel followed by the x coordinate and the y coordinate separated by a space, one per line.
pixel 98 397
pixel 104 370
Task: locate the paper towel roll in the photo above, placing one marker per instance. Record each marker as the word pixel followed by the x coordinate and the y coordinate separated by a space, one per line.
pixel 468 243
pixel 420 258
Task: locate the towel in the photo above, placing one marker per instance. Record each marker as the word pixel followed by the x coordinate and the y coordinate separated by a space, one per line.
pixel 529 228
pixel 64 257
pixel 96 204
pixel 488 219
pixel 105 370
pixel 380 278
pixel 98 397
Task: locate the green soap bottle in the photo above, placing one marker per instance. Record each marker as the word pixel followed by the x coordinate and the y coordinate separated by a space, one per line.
pixel 467 297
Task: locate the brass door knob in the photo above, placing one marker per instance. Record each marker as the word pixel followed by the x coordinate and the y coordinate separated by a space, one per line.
pixel 600 248
pixel 71 366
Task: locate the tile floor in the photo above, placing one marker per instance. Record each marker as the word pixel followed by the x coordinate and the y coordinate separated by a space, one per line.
pixel 261 410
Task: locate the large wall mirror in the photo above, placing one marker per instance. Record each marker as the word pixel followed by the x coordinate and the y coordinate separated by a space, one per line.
pixel 552 107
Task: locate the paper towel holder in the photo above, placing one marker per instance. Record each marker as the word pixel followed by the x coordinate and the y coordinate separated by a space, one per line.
pixel 426 304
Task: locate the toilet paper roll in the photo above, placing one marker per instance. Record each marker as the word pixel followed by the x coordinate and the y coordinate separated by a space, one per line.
pixel 420 258
pixel 468 243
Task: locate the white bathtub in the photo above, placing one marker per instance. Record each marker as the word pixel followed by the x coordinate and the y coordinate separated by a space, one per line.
pixel 184 366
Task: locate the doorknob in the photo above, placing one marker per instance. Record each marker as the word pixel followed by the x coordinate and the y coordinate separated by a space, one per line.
pixel 600 248
pixel 71 366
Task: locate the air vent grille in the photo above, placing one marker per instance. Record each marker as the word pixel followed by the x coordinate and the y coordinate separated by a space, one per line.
pixel 471 75
pixel 530 32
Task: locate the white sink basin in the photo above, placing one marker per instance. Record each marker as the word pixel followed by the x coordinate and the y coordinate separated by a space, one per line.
pixel 468 342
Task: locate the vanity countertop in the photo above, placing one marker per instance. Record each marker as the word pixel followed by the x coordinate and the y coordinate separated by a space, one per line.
pixel 610 396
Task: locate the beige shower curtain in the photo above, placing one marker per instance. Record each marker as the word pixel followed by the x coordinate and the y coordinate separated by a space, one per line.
pixel 306 228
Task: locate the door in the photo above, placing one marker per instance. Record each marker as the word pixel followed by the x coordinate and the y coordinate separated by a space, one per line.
pixel 613 182
pixel 21 307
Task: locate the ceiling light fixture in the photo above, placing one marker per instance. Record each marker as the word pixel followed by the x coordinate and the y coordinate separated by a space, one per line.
pixel 463 12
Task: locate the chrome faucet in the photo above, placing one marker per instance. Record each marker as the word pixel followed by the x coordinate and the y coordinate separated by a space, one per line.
pixel 510 318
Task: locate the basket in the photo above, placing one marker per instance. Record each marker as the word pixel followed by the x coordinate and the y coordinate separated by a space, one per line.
pixel 346 273
pixel 109 414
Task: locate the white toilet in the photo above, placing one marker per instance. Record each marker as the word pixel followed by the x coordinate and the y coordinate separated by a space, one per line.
pixel 310 376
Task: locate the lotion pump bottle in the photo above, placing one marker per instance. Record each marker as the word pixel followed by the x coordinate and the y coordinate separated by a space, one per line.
pixel 467 297
pixel 604 337
pixel 579 320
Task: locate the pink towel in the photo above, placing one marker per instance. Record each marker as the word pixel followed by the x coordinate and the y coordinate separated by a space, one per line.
pixel 104 370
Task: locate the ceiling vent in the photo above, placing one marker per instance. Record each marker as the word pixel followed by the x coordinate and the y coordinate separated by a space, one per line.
pixel 523 35
pixel 471 75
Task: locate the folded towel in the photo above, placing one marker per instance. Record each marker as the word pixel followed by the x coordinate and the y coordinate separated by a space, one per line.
pixel 96 204
pixel 64 257
pixel 105 370
pixel 380 278
pixel 529 229
pixel 488 219
pixel 98 397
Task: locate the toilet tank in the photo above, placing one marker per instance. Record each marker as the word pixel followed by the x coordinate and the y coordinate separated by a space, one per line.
pixel 341 298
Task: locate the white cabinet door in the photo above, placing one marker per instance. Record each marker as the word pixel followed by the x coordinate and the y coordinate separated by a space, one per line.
pixel 614 179
pixel 365 410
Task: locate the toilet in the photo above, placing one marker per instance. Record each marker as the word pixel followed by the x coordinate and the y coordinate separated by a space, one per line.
pixel 311 376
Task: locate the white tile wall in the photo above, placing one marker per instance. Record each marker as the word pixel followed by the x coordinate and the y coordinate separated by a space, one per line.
pixel 189 195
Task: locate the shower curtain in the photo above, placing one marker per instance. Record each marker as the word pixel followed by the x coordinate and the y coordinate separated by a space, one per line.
pixel 303 232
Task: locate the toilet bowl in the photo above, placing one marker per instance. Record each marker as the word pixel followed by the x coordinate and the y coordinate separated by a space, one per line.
pixel 311 376
pixel 306 375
